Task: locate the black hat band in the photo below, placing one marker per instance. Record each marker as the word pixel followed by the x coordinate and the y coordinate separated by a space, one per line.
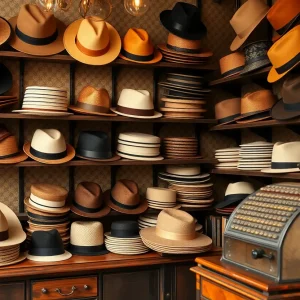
pixel 183 50
pixel 287 26
pixel 290 64
pixel 137 57
pixel 285 165
pixel 86 209
pixel 46 251
pixel 9 155
pixel 48 156
pixel 3 235
pixel 94 154
pixel 228 119
pixel 133 155
pixel 86 250
pixel 291 106
pixel 233 71
pixel 121 205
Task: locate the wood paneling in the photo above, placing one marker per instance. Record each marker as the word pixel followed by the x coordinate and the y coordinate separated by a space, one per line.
pixel 12 291
pixel 185 283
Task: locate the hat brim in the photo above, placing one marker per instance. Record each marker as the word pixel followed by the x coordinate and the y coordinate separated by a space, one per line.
pixel 114 158
pixel 200 102
pixel 157 58
pixel 155 116
pixel 55 47
pixel 273 76
pixel 49 210
pixel 21 156
pixel 70 155
pixel 21 257
pixel 42 113
pixel 279 113
pixel 132 157
pixel 76 252
pixel 255 66
pixel 86 112
pixel 205 54
pixel 254 116
pixel 142 207
pixel 99 214
pixel 5 30
pixel 53 258
pixel 181 87
pixel 278 171
pixel 71 47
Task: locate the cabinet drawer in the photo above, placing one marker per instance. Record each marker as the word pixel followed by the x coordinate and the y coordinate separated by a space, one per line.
pixel 70 288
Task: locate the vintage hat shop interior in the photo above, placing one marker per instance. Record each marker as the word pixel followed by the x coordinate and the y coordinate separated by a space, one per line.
pixel 149 149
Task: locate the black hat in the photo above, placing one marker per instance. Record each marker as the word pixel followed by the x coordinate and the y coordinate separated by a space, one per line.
pixel 95 145
pixel 47 246
pixel 6 79
pixel 124 229
pixel 184 21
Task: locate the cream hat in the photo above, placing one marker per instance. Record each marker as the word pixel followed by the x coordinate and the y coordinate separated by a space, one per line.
pixel 136 104
pixel 160 198
pixel 184 170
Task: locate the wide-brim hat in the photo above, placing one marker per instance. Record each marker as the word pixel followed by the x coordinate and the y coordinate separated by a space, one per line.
pixel 155 115
pixel 255 66
pixel 21 156
pixel 21 257
pixel 5 30
pixel 91 113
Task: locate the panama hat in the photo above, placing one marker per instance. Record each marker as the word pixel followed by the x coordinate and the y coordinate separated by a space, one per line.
pixel 92 41
pixel 232 64
pixel 136 104
pixel 227 110
pixel 5 30
pixel 92 101
pixel 160 197
pixel 183 170
pixel 48 146
pixel 246 19
pixel 137 47
pixel 36 32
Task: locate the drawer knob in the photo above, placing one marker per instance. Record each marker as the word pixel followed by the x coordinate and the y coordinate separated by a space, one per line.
pixel 260 253
pixel 44 291
pixel 69 294
pixel 86 287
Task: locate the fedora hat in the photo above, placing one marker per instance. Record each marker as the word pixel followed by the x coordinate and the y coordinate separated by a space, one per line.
pixel 285 158
pixel 256 106
pixel 93 102
pixel 136 104
pixel 47 246
pixel 48 146
pixel 184 21
pixel 95 145
pixel 137 47
pixel 284 54
pixel 89 201
pixel 87 238
pixel 246 19
pixel 227 110
pixel 5 30
pixel 6 78
pixel 124 197
pixel 92 41
pixel 232 64
pixel 36 32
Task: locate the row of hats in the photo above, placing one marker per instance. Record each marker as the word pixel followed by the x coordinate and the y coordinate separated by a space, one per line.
pixel 96 42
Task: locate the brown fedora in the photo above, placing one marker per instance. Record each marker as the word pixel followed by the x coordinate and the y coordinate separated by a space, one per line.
pixel 232 64
pixel 36 32
pixel 227 110
pixel 88 201
pixel 256 106
pixel 124 197
pixel 5 30
pixel 93 102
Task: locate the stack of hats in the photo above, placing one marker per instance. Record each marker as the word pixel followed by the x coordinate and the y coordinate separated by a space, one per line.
pixel 139 146
pixel 6 81
pixel 45 101
pixel 47 209
pixel 185 32
pixel 181 147
pixel 255 156
pixel 183 107
pixel 11 236
pixel 228 158
pixel 147 220
pixel 124 238
pixel 175 233
pixel 160 198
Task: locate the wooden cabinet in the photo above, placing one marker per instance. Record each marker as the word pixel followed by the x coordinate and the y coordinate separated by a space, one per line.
pixel 185 283
pixel 12 291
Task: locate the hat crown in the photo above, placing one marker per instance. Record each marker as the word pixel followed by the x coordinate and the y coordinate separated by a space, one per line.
pixel 126 192
pixel 97 141
pixel 231 61
pixel 86 233
pixel 49 192
pixel 89 195
pixel 136 99
pixel 256 50
pixel 185 14
pixel 291 89
pixel 228 107
pixel 93 96
pixel 9 146
pixel 241 187
pixel 3 227
pixel 286 152
pixel 124 228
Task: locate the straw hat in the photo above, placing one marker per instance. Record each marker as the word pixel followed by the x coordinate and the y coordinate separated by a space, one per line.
pixel 232 64
pixel 160 197
pixel 136 104
pixel 5 30
pixel 36 32
pixel 246 19
pixel 183 170
pixel 48 146
pixel 93 102
pixel 137 47
pixel 227 110
pixel 88 201
pixel 124 197
pixel 87 238
pixel 93 42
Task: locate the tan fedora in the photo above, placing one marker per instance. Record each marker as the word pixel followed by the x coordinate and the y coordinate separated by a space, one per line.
pixel 246 19
pixel 48 146
pixel 5 30
pixel 36 32
pixel 124 197
pixel 227 110
pixel 88 201
pixel 92 41
pixel 92 101
pixel 160 197
pixel 232 64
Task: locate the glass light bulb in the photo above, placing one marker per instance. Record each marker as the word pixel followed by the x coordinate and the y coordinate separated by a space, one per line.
pixel 84 6
pixel 99 10
pixel 48 5
pixel 64 4
pixel 137 7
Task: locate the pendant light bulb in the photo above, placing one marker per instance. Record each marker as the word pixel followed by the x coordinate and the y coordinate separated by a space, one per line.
pixel 48 5
pixel 64 5
pixel 137 7
pixel 98 10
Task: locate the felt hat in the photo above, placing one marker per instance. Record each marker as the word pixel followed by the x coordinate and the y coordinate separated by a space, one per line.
pixel 6 77
pixel 227 110
pixel 137 47
pixel 92 41
pixel 184 21
pixel 5 30
pixel 136 104
pixel 36 32
pixel 232 64
pixel 124 197
pixel 124 230
pixel 92 101
pixel 87 238
pixel 89 201
pixel 284 54
pixel 95 145
pixel 47 246
pixel 48 146
pixel 246 19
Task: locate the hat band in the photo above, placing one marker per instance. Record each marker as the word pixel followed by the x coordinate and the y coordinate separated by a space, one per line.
pixel 3 235
pixel 134 155
pixel 92 108
pixel 42 109
pixel 287 26
pixel 134 111
pixel 48 156
pixel 38 202
pixel 184 84
pixel 46 251
pixel 86 209
pixel 184 50
pixel 291 106
pixel 9 155
pixel 290 64
pixel 174 235
pixel 90 52
pixel 285 165
pixel 36 41
pixel 235 197
pixel 138 143
pixel 233 71
pixel 228 119
pixel 256 59
pixel 121 205
pixel 88 250
pixel 137 57
pixel 93 154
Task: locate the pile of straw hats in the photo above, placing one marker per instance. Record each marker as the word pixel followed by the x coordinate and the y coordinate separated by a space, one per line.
pixel 148 219
pixel 11 236
pixel 175 233
pixel 228 158
pixel 47 209
pixel 160 198
pixel 139 146
pixel 124 238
